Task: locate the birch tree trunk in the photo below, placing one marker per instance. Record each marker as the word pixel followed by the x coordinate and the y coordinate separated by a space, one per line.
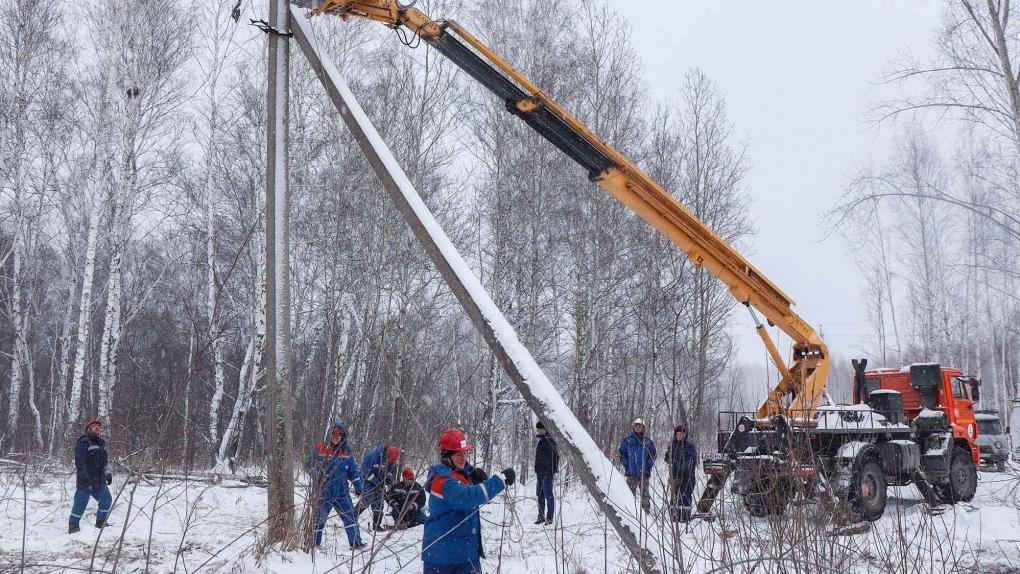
pixel 84 312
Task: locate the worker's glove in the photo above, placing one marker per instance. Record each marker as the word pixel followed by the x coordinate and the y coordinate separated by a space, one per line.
pixel 478 476
pixel 109 478
pixel 509 476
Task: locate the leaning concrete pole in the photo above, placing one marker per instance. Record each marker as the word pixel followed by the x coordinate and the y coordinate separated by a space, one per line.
pixel 278 417
pixel 605 484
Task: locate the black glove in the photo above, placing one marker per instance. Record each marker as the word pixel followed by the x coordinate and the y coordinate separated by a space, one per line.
pixel 478 476
pixel 509 476
pixel 109 478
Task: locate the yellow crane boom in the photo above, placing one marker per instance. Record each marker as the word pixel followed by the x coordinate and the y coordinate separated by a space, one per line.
pixel 802 383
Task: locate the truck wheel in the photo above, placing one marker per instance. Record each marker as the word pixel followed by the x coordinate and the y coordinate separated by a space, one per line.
pixel 755 505
pixel 867 494
pixel 766 497
pixel 961 483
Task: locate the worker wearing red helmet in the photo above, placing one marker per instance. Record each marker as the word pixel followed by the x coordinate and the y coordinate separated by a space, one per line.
pixel 379 471
pixel 452 542
pixel 407 501
pixel 333 469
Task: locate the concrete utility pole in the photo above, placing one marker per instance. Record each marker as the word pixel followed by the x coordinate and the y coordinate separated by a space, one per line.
pixel 278 423
pixel 598 474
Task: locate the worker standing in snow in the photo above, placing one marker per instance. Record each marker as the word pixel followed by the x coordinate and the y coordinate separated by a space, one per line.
pixel 407 501
pixel 452 542
pixel 91 476
pixel 334 467
pixel 547 464
pixel 637 455
pixel 379 470
pixel 682 458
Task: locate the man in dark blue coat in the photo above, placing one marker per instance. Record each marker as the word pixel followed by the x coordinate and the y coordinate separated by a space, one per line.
pixel 407 502
pixel 682 458
pixel 452 541
pixel 91 476
pixel 637 455
pixel 379 470
pixel 331 467
pixel 547 464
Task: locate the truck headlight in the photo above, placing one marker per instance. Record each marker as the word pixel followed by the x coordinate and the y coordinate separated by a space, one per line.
pixel 998 444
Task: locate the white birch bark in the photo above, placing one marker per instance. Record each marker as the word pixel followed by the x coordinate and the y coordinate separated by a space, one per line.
pixel 18 318
pixel 212 289
pixel 111 335
pixel 84 310
pixel 247 382
pixel 59 400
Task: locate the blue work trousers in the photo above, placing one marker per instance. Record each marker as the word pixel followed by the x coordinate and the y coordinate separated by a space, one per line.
pixel 345 509
pixel 473 567
pixel 372 498
pixel 546 499
pixel 81 501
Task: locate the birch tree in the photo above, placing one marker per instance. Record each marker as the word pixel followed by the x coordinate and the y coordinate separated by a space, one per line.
pixel 31 52
pixel 143 64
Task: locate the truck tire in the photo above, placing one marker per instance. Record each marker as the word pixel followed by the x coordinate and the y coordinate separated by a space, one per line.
pixel 766 497
pixel 961 482
pixel 867 494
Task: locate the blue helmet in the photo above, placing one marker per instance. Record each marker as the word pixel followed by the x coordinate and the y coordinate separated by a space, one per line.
pixel 339 425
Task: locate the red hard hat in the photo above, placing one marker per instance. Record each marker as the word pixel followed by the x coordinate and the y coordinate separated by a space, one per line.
pixel 408 473
pixel 93 422
pixel 453 439
pixel 392 453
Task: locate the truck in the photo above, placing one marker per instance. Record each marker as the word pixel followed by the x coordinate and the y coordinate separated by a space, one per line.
pixel 994 442
pixel 910 425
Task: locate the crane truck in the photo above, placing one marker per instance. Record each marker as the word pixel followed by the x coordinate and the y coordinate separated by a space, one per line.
pixel 910 425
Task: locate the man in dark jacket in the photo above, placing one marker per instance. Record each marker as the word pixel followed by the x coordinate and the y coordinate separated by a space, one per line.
pixel 547 464
pixel 91 476
pixel 407 502
pixel 682 458
pixel 637 455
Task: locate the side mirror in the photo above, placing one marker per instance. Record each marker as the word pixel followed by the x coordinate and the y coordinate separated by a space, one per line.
pixel 975 389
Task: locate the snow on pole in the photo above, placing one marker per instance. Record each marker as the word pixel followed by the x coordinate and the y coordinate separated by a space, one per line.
pixel 603 481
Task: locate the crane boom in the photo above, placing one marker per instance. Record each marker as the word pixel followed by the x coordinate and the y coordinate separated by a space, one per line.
pixel 802 383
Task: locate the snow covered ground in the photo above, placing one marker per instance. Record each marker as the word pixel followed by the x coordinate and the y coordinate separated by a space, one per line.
pixel 196 527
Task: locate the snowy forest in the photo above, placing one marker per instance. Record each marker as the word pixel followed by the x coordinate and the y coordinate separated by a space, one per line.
pixel 133 189
pixel 133 265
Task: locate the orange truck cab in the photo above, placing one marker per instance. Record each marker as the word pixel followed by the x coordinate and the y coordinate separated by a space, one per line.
pixel 951 392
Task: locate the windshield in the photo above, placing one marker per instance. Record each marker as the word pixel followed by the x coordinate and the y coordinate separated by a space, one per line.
pixel 989 427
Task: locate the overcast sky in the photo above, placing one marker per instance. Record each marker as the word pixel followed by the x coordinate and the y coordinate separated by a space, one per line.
pixel 798 78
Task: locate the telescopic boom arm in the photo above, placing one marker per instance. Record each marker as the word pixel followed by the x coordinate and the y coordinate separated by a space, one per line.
pixel 802 383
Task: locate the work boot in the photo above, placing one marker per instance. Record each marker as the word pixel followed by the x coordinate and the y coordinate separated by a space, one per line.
pixel 358 545
pixel 548 521
pixel 100 523
pixel 540 520
pixel 72 528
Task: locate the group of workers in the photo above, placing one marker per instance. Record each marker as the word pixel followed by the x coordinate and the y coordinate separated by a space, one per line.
pixel 637 456
pixel 452 539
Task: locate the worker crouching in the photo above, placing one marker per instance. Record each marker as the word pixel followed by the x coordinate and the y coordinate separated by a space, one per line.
pixel 407 502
